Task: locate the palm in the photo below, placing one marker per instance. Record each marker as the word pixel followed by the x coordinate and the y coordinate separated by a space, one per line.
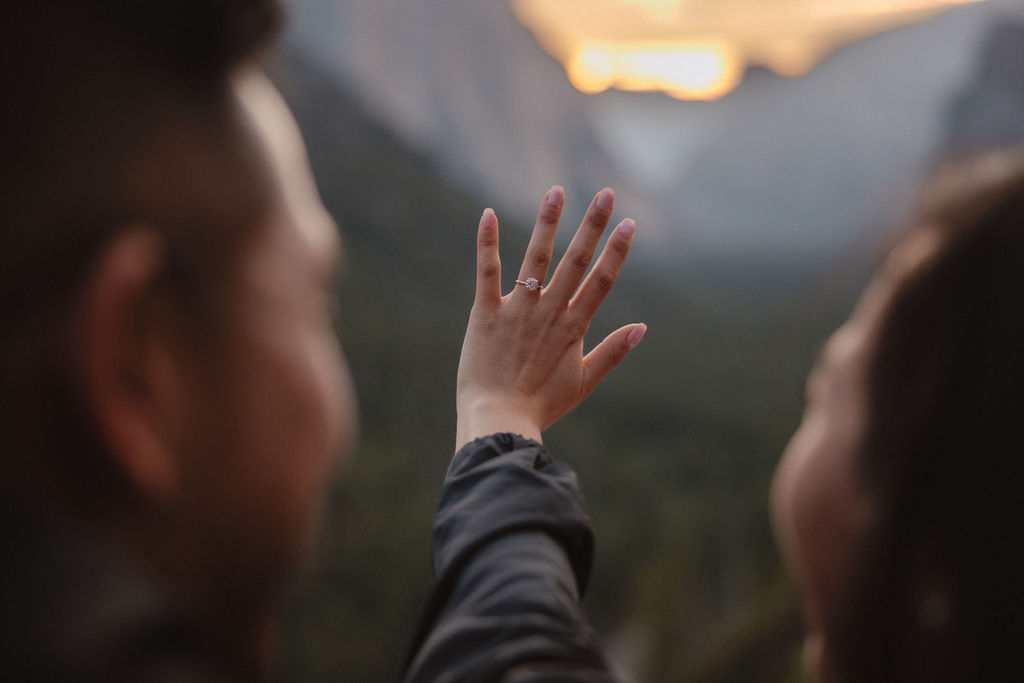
pixel 523 352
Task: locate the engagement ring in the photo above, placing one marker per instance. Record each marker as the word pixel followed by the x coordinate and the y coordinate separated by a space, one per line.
pixel 530 283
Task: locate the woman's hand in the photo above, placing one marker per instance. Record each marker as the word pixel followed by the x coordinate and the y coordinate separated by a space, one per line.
pixel 522 364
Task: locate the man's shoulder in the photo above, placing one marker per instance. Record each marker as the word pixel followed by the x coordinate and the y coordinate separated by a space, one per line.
pixel 73 611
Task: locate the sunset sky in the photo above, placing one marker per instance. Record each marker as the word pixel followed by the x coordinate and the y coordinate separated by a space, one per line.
pixel 700 49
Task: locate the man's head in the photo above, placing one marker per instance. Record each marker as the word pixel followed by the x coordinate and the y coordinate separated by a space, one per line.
pixel 167 358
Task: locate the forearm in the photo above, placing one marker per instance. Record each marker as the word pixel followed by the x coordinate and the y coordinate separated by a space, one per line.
pixel 512 543
pixel 513 614
pixel 512 552
pixel 480 417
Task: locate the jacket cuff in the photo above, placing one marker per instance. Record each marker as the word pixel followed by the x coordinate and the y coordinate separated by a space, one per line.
pixel 502 484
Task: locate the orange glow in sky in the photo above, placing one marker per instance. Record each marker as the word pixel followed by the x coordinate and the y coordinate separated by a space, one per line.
pixel 694 70
pixel 699 49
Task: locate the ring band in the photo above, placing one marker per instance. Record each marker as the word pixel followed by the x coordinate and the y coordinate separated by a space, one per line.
pixel 531 283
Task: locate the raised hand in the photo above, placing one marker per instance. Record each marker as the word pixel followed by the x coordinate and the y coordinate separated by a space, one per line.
pixel 522 365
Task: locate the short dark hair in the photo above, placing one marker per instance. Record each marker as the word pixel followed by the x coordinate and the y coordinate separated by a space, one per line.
pixel 937 595
pixel 117 112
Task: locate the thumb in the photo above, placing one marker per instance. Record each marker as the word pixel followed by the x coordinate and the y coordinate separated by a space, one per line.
pixel 609 353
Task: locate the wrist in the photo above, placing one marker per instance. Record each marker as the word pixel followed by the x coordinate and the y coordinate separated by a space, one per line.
pixel 481 416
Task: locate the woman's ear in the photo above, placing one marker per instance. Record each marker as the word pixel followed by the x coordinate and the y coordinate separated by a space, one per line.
pixel 129 365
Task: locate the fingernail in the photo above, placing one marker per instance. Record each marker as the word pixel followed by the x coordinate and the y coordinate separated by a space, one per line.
pixel 627 228
pixel 605 199
pixel 488 218
pixel 636 335
pixel 555 196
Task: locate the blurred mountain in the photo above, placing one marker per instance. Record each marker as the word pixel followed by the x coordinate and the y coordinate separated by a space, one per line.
pixel 990 110
pixel 795 171
pixel 465 83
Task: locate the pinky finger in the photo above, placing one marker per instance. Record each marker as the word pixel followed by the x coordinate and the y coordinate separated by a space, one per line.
pixel 609 353
pixel 488 262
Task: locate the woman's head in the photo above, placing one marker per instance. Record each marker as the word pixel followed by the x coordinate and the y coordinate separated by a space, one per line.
pixel 896 501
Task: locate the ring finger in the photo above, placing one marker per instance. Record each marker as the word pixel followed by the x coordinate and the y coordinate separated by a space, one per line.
pixel 538 253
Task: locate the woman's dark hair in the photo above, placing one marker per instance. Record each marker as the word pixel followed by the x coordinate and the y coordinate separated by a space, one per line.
pixel 939 591
pixel 116 113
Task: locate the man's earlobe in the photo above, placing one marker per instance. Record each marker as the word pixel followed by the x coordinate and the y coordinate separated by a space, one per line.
pixel 128 361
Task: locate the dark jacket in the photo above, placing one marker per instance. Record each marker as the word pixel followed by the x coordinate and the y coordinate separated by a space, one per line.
pixel 71 610
pixel 512 553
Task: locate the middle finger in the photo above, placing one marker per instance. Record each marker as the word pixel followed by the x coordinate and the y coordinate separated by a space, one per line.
pixel 578 255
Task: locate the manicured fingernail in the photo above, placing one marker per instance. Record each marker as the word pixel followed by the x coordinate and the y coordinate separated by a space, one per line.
pixel 605 199
pixel 636 335
pixel 555 196
pixel 627 228
pixel 488 219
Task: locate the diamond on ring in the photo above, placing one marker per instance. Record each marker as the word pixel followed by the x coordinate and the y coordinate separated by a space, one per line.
pixel 531 283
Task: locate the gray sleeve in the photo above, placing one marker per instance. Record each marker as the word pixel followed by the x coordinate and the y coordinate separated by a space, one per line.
pixel 512 552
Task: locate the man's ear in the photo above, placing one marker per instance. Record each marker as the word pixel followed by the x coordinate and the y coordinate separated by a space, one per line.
pixel 130 367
